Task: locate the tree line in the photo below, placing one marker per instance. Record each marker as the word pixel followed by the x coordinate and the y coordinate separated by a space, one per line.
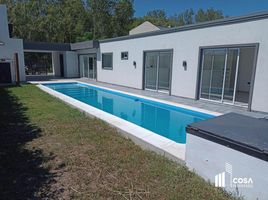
pixel 79 20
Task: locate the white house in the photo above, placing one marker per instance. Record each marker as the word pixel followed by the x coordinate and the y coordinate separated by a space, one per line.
pixel 223 61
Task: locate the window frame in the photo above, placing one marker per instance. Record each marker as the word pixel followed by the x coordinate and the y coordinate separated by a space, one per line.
pixel 123 58
pixel 107 68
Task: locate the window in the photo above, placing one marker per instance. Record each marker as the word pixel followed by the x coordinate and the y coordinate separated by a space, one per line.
pixel 107 61
pixel 124 55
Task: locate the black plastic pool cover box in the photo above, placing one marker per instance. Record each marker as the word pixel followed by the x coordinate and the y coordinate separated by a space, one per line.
pixel 242 133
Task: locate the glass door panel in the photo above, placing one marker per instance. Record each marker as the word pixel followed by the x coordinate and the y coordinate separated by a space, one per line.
pixel 230 75
pixel 91 67
pixel 151 62
pixel 94 67
pixel 88 66
pixel 86 62
pixel 164 70
pixel 217 75
pixel 206 73
pixel 81 65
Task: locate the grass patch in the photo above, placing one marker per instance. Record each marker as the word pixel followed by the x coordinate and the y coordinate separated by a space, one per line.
pixel 50 150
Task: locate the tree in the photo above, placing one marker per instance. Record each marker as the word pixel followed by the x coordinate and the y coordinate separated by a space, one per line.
pixel 111 18
pixel 79 20
pixel 188 16
pixel 26 17
pixel 157 17
pixel 73 19
pixel 123 17
pixel 48 20
pixel 85 37
pixel 101 11
pixel 208 15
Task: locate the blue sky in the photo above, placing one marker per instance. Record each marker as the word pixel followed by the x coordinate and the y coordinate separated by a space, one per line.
pixel 229 7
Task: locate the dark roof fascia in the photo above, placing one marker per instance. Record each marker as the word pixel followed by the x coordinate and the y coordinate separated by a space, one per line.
pixel 85 45
pixel 220 22
pixel 46 46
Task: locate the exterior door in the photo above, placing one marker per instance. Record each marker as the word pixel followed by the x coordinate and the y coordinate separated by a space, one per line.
pixel 61 66
pixel 157 70
pixel 88 66
pixel 151 65
pixel 92 65
pixel 5 73
pixel 164 71
pixel 85 67
pixel 219 74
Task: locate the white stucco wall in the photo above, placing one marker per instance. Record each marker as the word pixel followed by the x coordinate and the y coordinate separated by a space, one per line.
pixel 56 63
pixel 11 46
pixel 71 64
pixel 207 159
pixel 185 46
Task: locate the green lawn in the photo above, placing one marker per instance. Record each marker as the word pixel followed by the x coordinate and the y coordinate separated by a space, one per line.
pixel 49 150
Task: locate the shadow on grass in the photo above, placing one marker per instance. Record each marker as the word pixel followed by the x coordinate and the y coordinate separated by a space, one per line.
pixel 21 173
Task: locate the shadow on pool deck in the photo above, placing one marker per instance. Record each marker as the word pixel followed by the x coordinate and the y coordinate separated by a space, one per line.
pixel 21 173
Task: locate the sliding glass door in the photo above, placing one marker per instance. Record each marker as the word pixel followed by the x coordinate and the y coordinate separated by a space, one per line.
pixel 164 70
pixel 231 73
pixel 157 70
pixel 219 74
pixel 88 66
pixel 151 68
pixel 85 66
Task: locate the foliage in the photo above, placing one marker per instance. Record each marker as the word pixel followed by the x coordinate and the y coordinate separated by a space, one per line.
pixel 80 20
pixel 47 20
pixel 157 17
pixel 123 15
pixel 160 18
pixel 85 37
pixel 208 15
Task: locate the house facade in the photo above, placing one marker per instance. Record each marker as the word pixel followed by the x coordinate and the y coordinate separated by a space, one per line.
pixel 222 61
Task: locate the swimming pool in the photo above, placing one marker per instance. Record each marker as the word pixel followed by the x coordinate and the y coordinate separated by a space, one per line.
pixel 164 119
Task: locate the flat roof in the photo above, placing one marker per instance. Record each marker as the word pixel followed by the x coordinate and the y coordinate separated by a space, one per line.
pixel 46 46
pixel 219 22
pixel 246 134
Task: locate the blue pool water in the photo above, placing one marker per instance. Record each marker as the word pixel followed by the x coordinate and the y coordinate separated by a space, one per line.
pixel 163 119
